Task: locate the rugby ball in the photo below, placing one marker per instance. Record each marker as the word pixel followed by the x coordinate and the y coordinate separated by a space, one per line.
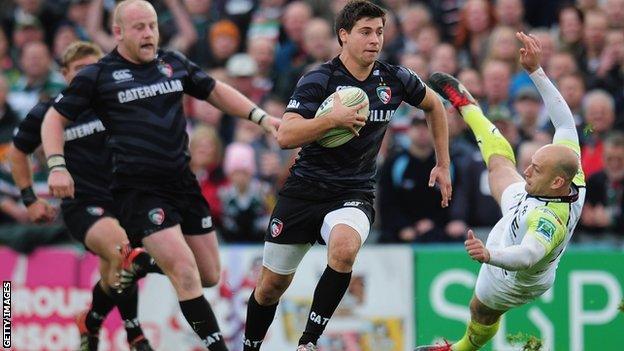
pixel 350 96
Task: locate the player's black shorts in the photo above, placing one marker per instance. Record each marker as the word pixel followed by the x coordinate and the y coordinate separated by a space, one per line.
pixel 143 211
pixel 301 209
pixel 80 215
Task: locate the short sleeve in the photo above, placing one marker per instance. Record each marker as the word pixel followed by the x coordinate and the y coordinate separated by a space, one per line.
pixel 414 86
pixel 309 94
pixel 197 83
pixel 543 224
pixel 28 136
pixel 79 95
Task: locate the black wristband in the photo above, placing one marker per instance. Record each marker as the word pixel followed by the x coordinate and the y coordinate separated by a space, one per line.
pixel 28 196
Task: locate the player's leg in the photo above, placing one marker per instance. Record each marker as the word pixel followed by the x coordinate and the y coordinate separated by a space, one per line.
pixel 345 230
pixel 175 258
pixel 482 327
pixel 496 150
pixel 205 248
pixel 280 262
pixel 104 238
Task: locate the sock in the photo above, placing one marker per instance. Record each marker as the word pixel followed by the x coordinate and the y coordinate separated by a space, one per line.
pixel 127 303
pixel 199 315
pixel 259 319
pixel 327 295
pixel 476 336
pixel 490 140
pixel 144 264
pixel 101 305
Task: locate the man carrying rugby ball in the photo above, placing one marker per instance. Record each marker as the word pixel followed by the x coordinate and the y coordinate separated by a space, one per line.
pixel 329 195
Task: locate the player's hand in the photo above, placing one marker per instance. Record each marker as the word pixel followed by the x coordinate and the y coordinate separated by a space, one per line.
pixel 347 117
pixel 476 249
pixel 531 53
pixel 61 183
pixel 270 125
pixel 442 176
pixel 41 212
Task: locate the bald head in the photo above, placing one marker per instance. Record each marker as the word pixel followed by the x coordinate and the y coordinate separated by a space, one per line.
pixel 565 161
pixel 128 5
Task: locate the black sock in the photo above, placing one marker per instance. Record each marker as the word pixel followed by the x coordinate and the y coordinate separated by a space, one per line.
pixel 259 319
pixel 327 295
pixel 127 303
pixel 101 305
pixel 144 264
pixel 199 315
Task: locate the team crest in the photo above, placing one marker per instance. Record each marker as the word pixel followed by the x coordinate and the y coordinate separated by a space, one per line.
pixel 384 93
pixel 276 227
pixel 95 211
pixel 156 216
pixel 165 69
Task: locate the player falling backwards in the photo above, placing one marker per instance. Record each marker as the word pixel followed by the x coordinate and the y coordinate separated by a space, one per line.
pixel 539 212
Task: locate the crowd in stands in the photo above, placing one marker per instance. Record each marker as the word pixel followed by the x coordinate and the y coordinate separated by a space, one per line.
pixel 262 47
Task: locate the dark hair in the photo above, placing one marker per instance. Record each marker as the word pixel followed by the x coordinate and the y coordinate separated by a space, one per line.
pixel 354 11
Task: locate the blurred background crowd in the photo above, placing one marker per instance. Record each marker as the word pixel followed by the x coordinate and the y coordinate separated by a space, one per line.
pixel 262 47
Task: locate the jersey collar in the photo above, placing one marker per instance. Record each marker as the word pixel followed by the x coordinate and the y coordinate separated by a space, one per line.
pixel 568 198
pixel 338 62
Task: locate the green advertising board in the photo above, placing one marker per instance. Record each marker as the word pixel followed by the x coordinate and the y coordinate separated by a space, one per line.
pixel 579 313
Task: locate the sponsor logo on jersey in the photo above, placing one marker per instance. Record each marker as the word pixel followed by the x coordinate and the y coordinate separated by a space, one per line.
pixel 340 87
pixel 546 228
pixel 384 93
pixel 276 227
pixel 380 115
pixel 58 97
pixel 352 203
pixel 165 69
pixel 95 211
pixel 156 216
pixel 84 130
pixel 147 91
pixel 122 75
pixel 293 104
pixel 206 222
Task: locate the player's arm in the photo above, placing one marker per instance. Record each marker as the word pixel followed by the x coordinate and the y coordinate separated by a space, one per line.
pixel 297 131
pixel 25 142
pixel 438 125
pixel 52 138
pixel 232 102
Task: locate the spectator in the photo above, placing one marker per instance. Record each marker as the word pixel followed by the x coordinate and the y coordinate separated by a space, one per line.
pixel 572 87
pixel 6 62
pixel 32 11
pixel 206 156
pixel 224 41
pixel 64 36
pixel 510 13
pixel 600 117
pixel 27 30
pixel 394 40
pixel 610 73
pixel 405 177
pixel 38 80
pixel 78 17
pixel 527 106
pixel 427 40
pixel 571 23
pixel 560 64
pixel 290 50
pixel 247 202
pixel 503 46
pixel 444 59
pixel 413 19
pixel 615 13
pixel 446 14
pixel 594 35
pixel 265 21
pixel 262 50
pixel 8 118
pixel 496 81
pixel 475 23
pixel 604 208
pixel 525 153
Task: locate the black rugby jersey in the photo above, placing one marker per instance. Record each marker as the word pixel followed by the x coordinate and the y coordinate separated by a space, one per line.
pixel 141 108
pixel 351 166
pixel 87 159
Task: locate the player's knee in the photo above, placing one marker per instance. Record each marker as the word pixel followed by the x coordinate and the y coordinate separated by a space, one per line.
pixel 269 291
pixel 210 277
pixel 342 254
pixel 184 276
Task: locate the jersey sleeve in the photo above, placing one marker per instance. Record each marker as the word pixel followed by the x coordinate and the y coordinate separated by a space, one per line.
pixel 197 83
pixel 544 225
pixel 28 136
pixel 309 94
pixel 414 86
pixel 79 95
